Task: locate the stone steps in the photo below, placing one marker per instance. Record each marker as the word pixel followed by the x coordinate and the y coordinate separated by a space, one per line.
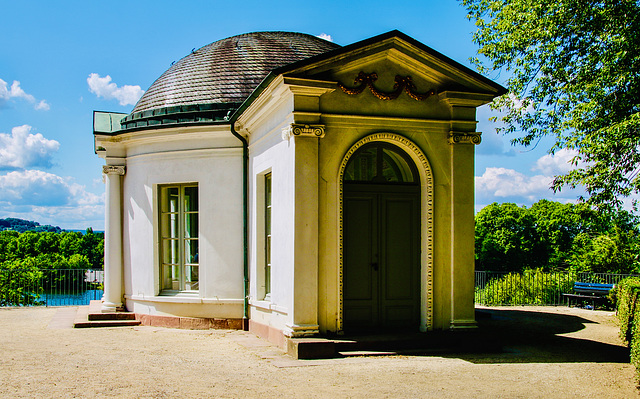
pixel 91 316
pixel 428 344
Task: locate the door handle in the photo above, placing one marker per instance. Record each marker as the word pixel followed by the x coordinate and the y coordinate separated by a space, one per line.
pixel 375 266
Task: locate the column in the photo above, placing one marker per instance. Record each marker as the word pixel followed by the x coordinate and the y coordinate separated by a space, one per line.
pixel 112 298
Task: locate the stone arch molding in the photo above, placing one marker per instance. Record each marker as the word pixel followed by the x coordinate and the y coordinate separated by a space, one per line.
pixel 426 222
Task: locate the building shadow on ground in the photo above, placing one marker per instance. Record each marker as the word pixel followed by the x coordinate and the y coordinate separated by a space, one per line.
pixel 517 336
pixel 503 336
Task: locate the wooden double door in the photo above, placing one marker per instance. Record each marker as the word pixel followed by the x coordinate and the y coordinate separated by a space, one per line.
pixel 381 248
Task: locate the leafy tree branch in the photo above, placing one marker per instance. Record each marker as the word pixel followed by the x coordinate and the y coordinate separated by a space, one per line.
pixel 574 75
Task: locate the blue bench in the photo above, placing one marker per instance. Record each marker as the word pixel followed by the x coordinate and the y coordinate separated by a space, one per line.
pixel 594 292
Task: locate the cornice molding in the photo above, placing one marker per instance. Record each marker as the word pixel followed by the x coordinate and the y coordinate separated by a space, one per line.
pixel 465 99
pixel 279 91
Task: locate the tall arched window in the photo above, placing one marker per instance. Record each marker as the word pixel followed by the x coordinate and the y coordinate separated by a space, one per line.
pixel 381 163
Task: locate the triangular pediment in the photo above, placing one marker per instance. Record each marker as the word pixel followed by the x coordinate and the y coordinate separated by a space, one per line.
pixel 361 78
pixel 388 56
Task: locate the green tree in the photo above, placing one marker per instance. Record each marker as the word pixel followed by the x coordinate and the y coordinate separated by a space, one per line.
pixel 92 246
pixel 77 261
pixel 573 70
pixel 504 238
pixel 70 243
pixel 557 226
pixel 615 251
pixel 553 236
pixel 27 244
pixel 8 245
pixel 50 261
pixel 20 282
pixel 48 243
pixel 23 257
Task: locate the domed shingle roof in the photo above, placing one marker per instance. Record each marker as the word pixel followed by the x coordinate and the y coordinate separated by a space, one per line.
pixel 227 71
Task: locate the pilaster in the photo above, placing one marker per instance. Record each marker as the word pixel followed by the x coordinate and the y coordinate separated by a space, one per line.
pixel 462 229
pixel 304 317
pixel 462 141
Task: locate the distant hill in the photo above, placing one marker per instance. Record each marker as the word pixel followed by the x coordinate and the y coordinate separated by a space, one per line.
pixel 21 225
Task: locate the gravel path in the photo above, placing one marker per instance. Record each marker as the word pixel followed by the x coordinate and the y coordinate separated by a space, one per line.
pixel 546 353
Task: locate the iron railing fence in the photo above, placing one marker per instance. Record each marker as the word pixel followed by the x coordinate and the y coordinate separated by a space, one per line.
pixel 50 287
pixel 74 287
pixel 533 287
pixel 604 278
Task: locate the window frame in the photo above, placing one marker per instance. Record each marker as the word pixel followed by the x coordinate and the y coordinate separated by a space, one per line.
pixel 385 154
pixel 172 228
pixel 268 222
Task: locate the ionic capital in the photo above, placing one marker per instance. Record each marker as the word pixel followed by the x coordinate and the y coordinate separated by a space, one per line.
pixel 302 130
pixel 465 138
pixel 113 170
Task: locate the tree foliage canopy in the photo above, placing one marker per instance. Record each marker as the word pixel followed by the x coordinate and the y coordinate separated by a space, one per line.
pixel 24 257
pixel 21 225
pixel 574 75
pixel 66 250
pixel 554 236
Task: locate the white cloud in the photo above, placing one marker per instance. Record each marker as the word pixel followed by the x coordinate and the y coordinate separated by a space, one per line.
pixel 103 87
pixel 325 37
pixel 558 163
pixel 38 188
pixel 21 149
pixel 15 91
pixel 520 103
pixel 50 199
pixel 507 184
pixel 37 195
pixel 68 217
pixel 4 92
pixel 34 187
pixel 500 184
pixel 43 106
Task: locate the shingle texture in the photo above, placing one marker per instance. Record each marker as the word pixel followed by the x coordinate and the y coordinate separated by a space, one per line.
pixel 227 71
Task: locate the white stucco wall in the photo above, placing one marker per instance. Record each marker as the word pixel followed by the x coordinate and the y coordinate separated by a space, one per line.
pixel 269 153
pixel 213 160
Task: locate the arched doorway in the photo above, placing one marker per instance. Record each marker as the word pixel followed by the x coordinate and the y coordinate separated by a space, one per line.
pixel 381 239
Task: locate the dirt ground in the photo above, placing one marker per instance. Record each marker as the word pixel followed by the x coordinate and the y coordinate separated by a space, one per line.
pixel 542 352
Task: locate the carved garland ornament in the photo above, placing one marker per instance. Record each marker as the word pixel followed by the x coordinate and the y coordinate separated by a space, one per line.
pixel 402 83
pixel 426 216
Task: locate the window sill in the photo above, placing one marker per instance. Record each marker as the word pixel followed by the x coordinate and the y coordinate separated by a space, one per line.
pixel 182 294
pixel 184 298
pixel 267 305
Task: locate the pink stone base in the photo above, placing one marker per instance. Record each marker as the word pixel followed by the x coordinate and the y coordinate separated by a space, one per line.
pixel 189 323
pixel 269 333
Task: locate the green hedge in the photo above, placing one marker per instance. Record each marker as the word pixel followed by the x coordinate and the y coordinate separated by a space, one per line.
pixel 628 309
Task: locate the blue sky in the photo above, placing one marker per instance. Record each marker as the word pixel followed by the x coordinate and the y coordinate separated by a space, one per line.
pixel 60 61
